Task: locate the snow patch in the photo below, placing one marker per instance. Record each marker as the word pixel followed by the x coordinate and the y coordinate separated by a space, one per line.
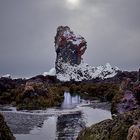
pixel 52 72
pixel 71 37
pixel 6 76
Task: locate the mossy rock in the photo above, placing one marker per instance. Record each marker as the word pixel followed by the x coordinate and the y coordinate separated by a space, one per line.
pixel 53 97
pixel 115 129
pixel 5 132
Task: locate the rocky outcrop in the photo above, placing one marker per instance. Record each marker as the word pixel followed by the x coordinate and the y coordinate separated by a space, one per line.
pixel 134 132
pixel 5 132
pixel 127 102
pixel 116 129
pixel 8 88
pixel 48 79
pixel 37 94
pixel 125 105
pixel 69 65
pixel 34 89
pixel 69 48
pixel 136 88
pixel 137 92
pixel 127 98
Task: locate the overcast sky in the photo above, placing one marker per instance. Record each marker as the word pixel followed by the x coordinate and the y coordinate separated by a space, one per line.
pixel 28 27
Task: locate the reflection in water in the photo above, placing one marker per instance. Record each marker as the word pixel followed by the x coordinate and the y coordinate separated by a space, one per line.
pixel 46 132
pixel 64 123
pixel 68 126
pixel 92 116
pixel 70 101
pixel 23 123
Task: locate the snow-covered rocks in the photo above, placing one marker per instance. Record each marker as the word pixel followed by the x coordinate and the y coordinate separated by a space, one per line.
pixel 6 76
pixel 52 72
pixel 85 72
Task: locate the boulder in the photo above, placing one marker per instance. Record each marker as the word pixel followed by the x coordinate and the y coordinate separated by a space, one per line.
pixel 134 132
pixel 33 89
pixel 5 132
pixel 127 102
pixel 128 97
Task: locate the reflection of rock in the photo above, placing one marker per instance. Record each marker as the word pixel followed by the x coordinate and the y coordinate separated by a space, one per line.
pixel 23 123
pixel 69 47
pixel 69 125
pixel 70 101
pixel 5 133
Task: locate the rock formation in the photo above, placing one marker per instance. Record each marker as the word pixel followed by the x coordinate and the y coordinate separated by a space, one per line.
pixel 134 132
pixel 5 132
pixel 69 65
pixel 128 97
pixel 125 123
pixel 139 75
pixel 115 129
pixel 69 48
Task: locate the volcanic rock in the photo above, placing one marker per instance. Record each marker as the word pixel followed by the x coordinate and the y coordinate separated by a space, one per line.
pixel 69 47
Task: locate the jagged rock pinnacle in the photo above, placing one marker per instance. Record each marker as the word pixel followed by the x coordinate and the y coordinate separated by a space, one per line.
pixel 68 65
pixel 69 48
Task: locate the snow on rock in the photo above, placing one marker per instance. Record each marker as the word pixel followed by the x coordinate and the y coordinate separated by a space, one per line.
pixel 6 76
pixel 69 47
pixel 84 72
pixel 52 72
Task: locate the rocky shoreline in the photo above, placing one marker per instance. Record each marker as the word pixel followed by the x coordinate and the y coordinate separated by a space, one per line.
pixel 115 129
pixel 41 92
pixel 125 112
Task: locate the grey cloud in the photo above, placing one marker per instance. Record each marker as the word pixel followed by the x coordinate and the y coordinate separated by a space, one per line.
pixel 27 30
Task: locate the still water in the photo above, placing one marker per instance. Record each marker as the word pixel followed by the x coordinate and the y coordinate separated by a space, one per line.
pixel 59 123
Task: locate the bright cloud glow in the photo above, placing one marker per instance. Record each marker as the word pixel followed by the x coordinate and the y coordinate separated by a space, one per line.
pixel 73 2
